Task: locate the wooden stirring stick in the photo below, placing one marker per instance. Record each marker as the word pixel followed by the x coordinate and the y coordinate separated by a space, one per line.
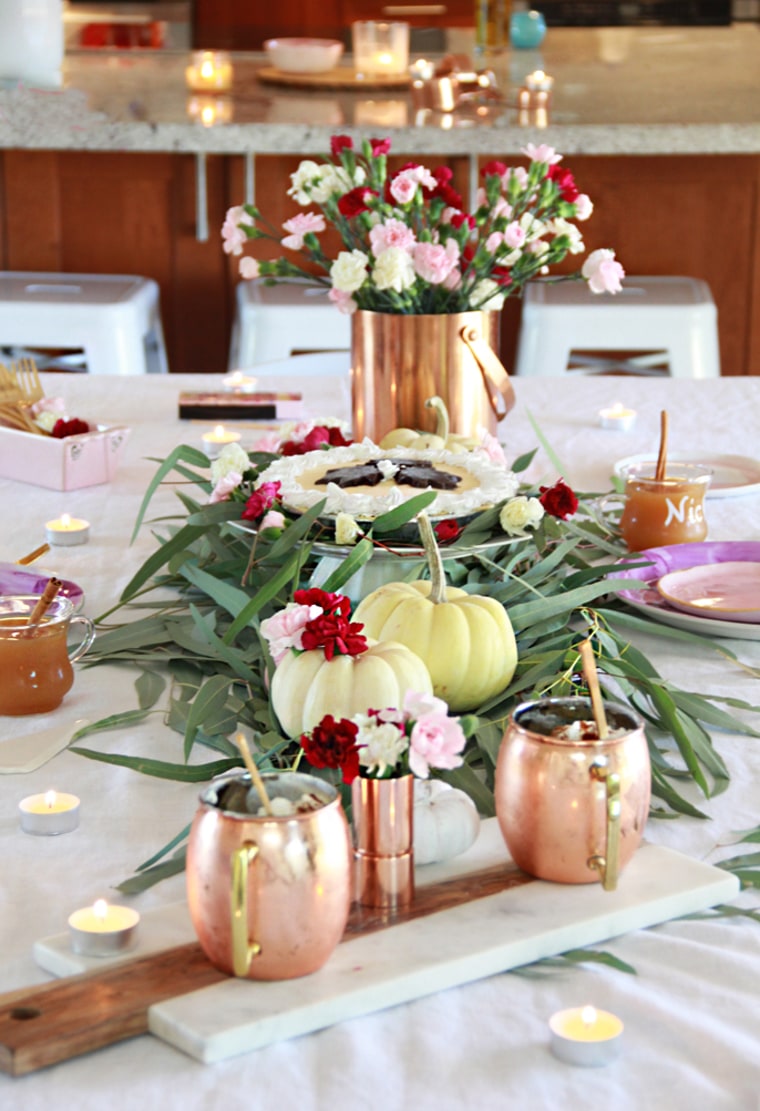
pixel 662 457
pixel 256 779
pixel 43 603
pixel 592 681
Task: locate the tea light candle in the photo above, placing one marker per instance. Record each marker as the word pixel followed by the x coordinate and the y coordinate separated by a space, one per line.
pixel 102 930
pixel 209 110
pixel 214 441
pixel 210 71
pixel 585 1036
pixel 239 382
pixel 66 531
pixel 49 814
pixel 539 82
pixel 617 417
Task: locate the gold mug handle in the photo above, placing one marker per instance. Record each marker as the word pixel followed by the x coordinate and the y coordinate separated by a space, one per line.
pixel 608 865
pixel 501 394
pixel 243 950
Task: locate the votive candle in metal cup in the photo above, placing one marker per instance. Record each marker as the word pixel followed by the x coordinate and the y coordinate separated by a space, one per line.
pixel 103 930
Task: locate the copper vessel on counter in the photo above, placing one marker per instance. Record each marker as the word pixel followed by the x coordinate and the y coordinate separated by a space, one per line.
pixel 398 361
pixel 572 810
pixel 269 896
pixel 383 819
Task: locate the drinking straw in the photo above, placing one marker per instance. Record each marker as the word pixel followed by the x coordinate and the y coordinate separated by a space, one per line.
pixel 662 460
pixel 256 779
pixel 44 601
pixel 592 681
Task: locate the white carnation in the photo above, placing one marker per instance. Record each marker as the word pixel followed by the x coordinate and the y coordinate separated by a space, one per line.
pixel 381 745
pixel 346 529
pixel 487 296
pixel 332 180
pixel 301 181
pixel 394 269
pixel 349 271
pixel 231 458
pixel 519 514
pixel 564 227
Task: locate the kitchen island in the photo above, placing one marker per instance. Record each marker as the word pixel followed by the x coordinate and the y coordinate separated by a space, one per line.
pixel 115 172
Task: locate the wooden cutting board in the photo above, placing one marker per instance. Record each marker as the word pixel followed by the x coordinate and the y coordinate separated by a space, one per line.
pixel 343 77
pixel 43 1025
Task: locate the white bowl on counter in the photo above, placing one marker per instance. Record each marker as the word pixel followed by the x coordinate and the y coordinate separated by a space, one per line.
pixel 304 55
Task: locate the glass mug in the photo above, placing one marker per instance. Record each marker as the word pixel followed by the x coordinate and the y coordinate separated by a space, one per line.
pixel 669 511
pixel 35 660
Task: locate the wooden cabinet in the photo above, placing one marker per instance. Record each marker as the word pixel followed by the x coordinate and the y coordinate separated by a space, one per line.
pixel 132 213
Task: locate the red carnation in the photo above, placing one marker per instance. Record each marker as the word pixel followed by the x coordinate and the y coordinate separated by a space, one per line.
pixel 355 201
pixel 261 500
pixel 332 744
pixel 447 530
pixel 339 143
pixel 73 427
pixel 460 218
pixel 334 634
pixel 494 168
pixel 319 437
pixel 558 500
pixel 565 183
pixel 380 147
pixel 330 603
pixel 336 437
pixel 502 275
pixel 443 175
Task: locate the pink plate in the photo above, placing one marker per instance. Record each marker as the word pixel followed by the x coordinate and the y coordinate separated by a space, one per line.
pixel 15 579
pixel 725 591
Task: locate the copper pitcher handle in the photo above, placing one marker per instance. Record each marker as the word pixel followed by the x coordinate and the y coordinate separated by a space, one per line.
pixel 495 378
pixel 243 951
pixel 608 865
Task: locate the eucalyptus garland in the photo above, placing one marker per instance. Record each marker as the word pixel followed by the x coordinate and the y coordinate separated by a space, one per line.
pixel 189 623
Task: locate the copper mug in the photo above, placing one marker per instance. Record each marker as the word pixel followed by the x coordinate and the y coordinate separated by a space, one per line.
pixel 269 896
pixel 572 810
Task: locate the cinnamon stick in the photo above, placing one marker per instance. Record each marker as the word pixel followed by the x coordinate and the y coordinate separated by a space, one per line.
pixel 31 556
pixel 592 681
pixel 662 457
pixel 43 603
pixel 256 779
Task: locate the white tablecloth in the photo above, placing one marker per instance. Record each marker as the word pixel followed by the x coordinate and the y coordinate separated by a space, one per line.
pixel 692 1018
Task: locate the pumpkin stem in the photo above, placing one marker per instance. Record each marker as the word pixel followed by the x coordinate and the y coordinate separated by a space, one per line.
pixel 441 416
pixel 435 563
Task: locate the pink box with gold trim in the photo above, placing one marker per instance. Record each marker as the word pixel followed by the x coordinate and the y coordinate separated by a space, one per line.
pixel 69 464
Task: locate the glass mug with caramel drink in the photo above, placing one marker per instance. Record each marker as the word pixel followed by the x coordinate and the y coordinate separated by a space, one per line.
pixel 35 659
pixel 665 511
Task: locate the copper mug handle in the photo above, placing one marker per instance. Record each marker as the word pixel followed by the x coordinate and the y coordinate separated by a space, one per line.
pixel 243 950
pixel 495 378
pixel 608 865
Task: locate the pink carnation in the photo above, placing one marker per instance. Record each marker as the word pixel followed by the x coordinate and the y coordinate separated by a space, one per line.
pixel 602 272
pixel 299 226
pixel 391 233
pixel 344 302
pixel 514 235
pixel 272 519
pixel 434 262
pixel 284 630
pixel 249 268
pixel 542 153
pixel 233 236
pixel 435 742
pixel 224 487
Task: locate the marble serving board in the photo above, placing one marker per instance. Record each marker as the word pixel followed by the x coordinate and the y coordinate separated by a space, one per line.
pixel 370 972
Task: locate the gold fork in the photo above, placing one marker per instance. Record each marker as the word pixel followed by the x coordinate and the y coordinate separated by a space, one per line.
pixel 14 415
pixel 28 379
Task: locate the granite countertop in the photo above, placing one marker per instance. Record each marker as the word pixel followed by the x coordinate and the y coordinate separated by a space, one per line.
pixel 617 91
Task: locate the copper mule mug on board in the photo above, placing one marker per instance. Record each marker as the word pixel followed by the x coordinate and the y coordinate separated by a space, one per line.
pixel 572 808
pixel 269 896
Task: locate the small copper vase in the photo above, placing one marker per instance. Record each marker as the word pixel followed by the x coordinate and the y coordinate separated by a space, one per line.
pixel 572 811
pixel 269 897
pixel 398 361
pixel 383 820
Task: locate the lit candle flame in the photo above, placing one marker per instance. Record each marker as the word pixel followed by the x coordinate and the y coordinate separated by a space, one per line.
pixel 588 1016
pixel 65 520
pixel 100 909
pixel 219 431
pixel 208 116
pixel 208 69
pixel 50 797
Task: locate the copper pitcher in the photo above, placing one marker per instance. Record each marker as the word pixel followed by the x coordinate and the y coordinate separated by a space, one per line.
pixel 572 808
pixel 269 896
pixel 399 360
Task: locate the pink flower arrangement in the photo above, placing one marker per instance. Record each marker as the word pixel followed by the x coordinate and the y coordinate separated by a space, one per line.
pixel 386 744
pixel 314 619
pixel 408 244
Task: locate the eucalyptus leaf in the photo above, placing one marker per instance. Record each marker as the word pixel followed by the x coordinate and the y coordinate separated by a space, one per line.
pixel 149 686
pixel 140 882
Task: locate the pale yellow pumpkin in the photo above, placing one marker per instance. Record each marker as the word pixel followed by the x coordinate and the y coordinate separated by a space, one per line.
pixel 440 440
pixel 305 687
pixel 466 640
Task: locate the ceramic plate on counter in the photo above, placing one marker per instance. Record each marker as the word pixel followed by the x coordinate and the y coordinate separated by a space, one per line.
pixel 683 557
pixel 732 474
pixel 725 591
pixel 22 580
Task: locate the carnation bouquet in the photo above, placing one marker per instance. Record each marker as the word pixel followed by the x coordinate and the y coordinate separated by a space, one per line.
pixel 408 245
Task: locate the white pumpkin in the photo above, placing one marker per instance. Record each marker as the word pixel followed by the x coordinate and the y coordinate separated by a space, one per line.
pixel 446 821
pixel 305 687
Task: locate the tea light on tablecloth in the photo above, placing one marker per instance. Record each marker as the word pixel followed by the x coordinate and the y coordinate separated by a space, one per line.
pixel 66 531
pixel 102 930
pixel 617 417
pixel 539 82
pixel 239 382
pixel 49 814
pixel 585 1036
pixel 214 441
pixel 210 71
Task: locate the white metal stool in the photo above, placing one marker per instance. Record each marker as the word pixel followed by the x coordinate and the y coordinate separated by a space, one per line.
pixel 274 322
pixel 114 319
pixel 674 319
